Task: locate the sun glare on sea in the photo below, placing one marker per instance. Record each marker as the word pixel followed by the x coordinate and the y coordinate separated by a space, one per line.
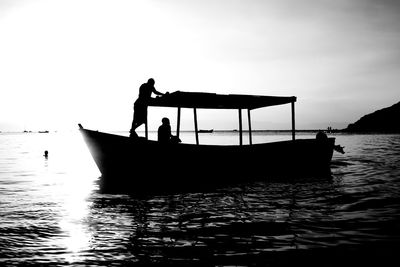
pixel 77 175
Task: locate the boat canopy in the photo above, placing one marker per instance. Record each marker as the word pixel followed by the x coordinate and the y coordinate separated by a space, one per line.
pixel 217 101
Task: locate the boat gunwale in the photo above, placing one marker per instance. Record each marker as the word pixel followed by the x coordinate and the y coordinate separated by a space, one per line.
pixel 144 141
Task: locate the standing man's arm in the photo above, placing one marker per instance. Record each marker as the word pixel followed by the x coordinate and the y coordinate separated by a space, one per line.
pixel 156 92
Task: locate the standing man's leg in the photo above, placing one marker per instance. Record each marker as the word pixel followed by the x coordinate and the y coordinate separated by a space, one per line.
pixel 135 121
pixel 139 117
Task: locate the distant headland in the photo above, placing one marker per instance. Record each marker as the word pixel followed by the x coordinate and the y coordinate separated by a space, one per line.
pixel 385 120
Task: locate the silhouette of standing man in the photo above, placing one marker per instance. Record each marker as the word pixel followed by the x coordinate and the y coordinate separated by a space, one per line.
pixel 140 106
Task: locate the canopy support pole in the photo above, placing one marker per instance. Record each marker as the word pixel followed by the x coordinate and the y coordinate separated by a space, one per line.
pixel 178 124
pixel 240 127
pixel 249 120
pixel 195 125
pixel 293 123
pixel 146 132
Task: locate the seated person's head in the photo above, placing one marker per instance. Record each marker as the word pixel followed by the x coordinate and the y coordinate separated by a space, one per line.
pixel 165 121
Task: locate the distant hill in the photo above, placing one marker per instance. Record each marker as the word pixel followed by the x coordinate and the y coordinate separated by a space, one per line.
pixel 381 121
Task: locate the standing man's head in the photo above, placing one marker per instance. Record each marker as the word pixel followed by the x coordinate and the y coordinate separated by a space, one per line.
pixel 151 81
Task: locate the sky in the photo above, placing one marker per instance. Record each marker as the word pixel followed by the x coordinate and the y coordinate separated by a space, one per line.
pixel 69 62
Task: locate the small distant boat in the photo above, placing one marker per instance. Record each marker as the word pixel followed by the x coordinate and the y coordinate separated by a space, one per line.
pixel 206 131
pixel 142 164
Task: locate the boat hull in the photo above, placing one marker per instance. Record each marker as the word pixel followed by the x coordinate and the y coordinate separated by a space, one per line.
pixel 140 164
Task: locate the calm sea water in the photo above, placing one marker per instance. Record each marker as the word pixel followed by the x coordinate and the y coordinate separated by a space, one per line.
pixel 53 213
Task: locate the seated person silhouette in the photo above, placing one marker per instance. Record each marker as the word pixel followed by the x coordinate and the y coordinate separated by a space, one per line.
pixel 140 106
pixel 164 133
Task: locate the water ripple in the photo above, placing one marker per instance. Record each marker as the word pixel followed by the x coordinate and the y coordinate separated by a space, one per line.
pixel 53 213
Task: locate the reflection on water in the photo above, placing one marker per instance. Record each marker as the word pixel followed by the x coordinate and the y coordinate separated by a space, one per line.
pixel 52 212
pixel 75 211
pixel 45 201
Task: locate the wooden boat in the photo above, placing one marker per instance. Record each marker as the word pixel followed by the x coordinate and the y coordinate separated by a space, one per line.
pixel 141 164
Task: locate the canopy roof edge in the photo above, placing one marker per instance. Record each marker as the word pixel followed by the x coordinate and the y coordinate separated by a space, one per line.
pixel 218 101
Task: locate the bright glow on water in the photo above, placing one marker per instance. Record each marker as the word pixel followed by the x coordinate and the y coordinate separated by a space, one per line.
pixel 51 195
pixel 53 212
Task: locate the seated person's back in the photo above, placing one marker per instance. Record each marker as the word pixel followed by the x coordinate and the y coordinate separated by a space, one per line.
pixel 164 131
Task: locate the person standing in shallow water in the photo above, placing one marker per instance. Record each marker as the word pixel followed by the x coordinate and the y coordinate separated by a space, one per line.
pixel 140 106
